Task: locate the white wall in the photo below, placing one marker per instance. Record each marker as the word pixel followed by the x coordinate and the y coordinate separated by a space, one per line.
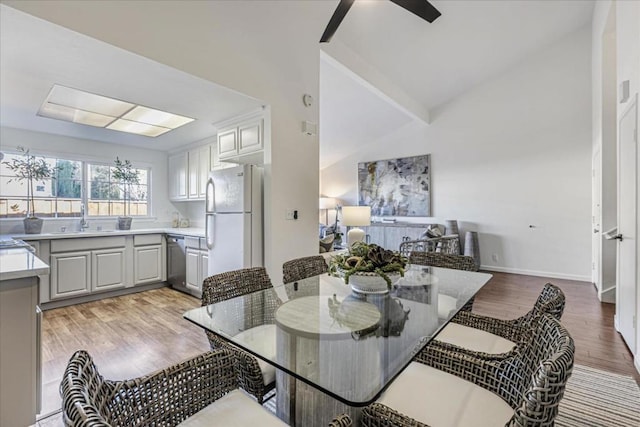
pixel 513 152
pixel 81 149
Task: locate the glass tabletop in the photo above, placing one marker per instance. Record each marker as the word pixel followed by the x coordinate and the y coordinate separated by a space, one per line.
pixel 349 345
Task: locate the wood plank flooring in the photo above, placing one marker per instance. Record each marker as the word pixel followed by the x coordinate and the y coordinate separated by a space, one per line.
pixel 136 334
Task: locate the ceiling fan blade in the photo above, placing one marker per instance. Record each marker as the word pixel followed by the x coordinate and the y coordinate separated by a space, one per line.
pixel 422 8
pixel 336 19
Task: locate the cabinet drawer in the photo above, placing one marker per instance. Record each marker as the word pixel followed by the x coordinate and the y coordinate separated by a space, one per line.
pixel 192 242
pixel 87 243
pixel 147 239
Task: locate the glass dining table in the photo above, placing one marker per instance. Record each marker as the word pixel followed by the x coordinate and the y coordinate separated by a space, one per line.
pixel 336 350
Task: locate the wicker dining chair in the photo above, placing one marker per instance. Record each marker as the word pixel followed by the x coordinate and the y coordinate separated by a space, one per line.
pixel 256 376
pixel 491 335
pixel 301 268
pixel 202 388
pixel 520 388
pixel 445 260
pixel 439 259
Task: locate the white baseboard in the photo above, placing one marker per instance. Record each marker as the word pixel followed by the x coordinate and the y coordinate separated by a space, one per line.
pixel 615 323
pixel 536 273
pixel 608 295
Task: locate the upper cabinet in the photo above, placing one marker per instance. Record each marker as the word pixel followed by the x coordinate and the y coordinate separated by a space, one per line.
pixel 239 140
pixel 188 173
pixel 178 165
pixel 242 142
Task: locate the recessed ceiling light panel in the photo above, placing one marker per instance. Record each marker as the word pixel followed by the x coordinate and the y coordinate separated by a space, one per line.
pixel 72 105
pixel 137 128
pixel 156 117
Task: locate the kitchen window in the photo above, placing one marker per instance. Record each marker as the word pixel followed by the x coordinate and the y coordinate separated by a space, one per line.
pixel 106 196
pixel 62 196
pixel 58 197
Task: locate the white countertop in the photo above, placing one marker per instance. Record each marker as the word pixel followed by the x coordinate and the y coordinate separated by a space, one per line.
pixel 191 231
pixel 19 263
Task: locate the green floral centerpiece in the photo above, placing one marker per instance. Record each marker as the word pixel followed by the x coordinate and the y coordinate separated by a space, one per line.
pixel 366 264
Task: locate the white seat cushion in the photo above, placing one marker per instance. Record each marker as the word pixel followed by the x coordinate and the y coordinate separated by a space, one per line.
pixel 446 303
pixel 474 339
pixel 439 399
pixel 261 339
pixel 235 409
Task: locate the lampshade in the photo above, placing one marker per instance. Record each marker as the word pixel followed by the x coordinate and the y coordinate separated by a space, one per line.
pixel 327 203
pixel 354 216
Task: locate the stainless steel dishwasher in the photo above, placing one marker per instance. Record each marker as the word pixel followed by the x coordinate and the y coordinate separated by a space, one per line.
pixel 176 262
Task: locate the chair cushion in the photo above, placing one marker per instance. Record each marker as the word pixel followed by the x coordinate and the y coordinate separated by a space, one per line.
pixel 235 409
pixel 446 303
pixel 263 340
pixel 474 339
pixel 439 399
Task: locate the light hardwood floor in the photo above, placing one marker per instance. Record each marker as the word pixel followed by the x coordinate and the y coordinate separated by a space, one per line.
pixel 136 334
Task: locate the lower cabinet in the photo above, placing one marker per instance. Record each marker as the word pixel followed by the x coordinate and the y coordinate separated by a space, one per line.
pixel 108 269
pixel 70 274
pixel 197 265
pixel 147 264
pixel 88 265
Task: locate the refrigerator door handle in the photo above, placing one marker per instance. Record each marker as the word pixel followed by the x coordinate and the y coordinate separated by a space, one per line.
pixel 208 229
pixel 210 197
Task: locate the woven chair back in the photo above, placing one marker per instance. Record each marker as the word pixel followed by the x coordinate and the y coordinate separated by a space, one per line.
pixel 439 259
pixel 231 284
pixel 301 268
pixel 550 301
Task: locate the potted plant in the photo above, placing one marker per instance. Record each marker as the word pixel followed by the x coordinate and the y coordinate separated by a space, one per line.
pixel 127 176
pixel 30 169
pixel 369 267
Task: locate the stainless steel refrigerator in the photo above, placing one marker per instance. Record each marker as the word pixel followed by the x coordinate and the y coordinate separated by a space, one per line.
pixel 233 218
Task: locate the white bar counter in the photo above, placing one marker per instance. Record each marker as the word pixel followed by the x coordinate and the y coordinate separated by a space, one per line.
pixel 19 263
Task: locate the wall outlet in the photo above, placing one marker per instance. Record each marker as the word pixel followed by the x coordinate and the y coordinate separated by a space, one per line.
pixel 291 214
pixel 494 257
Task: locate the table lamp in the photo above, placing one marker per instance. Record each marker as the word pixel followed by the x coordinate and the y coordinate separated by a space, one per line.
pixel 356 216
pixel 327 203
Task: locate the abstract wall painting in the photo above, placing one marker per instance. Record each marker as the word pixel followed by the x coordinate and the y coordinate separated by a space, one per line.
pixel 397 187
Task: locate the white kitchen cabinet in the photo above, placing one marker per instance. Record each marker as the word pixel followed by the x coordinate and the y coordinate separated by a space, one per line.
pixel 178 167
pixel 250 138
pixel 147 264
pixel 228 143
pixel 246 137
pixel 108 269
pixel 70 274
pixel 193 270
pixel 197 264
pixel 199 165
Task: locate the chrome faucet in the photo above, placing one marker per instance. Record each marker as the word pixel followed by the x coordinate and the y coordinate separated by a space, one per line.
pixel 84 224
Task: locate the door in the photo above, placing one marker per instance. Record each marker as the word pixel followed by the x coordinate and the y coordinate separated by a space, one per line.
pixel 228 251
pixel 108 269
pixel 70 274
pixel 147 264
pixel 596 237
pixel 627 224
pixel 193 269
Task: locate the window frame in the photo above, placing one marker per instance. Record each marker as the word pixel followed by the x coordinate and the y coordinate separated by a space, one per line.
pixel 84 184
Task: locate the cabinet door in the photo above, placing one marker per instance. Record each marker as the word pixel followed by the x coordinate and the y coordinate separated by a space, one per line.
pixel 194 175
pixel 70 274
pixel 178 176
pixel 193 269
pixel 204 267
pixel 147 264
pixel 108 269
pixel 228 143
pixel 204 166
pixel 250 137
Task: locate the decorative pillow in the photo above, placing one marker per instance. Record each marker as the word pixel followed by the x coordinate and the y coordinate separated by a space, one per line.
pixel 326 244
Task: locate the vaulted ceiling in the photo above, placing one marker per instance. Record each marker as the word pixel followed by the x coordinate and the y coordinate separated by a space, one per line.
pixel 384 68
